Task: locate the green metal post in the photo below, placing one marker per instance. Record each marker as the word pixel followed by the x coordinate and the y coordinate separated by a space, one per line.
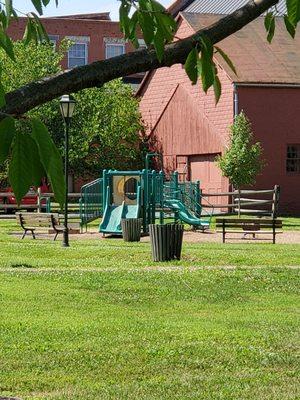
pixel 198 199
pixel 161 196
pixel 145 200
pixel 153 196
pixel 176 187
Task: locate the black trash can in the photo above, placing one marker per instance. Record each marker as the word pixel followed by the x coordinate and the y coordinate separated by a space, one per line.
pixel 176 240
pixel 131 229
pixel 166 241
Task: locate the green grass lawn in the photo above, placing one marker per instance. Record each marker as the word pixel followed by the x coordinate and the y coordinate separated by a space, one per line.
pixel 100 320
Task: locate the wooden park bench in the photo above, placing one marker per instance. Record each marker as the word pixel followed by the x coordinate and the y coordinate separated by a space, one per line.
pixel 249 226
pixel 31 222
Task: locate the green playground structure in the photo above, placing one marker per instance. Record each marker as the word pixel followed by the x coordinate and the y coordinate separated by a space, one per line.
pixel 147 194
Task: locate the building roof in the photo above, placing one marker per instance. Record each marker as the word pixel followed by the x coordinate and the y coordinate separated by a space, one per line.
pixel 256 60
pixel 104 16
pixel 223 6
pixel 179 5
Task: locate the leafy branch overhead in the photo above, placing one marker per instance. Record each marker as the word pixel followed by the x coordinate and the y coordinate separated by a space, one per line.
pixel 291 19
pixel 157 25
pixel 205 67
pixel 158 29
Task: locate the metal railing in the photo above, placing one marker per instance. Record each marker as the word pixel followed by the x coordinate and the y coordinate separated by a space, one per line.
pixel 91 202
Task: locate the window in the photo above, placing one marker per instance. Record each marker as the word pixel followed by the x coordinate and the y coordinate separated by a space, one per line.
pixel 293 158
pixel 53 39
pixel 114 49
pixel 142 44
pixel 77 55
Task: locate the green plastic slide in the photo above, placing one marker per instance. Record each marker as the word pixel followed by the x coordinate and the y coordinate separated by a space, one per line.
pixel 113 215
pixel 185 214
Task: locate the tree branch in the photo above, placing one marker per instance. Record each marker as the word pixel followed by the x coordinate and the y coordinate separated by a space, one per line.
pixel 96 74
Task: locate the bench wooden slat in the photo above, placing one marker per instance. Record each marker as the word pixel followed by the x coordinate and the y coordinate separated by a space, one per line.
pixel 30 222
pixel 252 220
pixel 252 232
pixel 249 226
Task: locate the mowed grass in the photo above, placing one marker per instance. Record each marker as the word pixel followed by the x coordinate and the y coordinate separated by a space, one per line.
pixel 114 253
pixel 100 320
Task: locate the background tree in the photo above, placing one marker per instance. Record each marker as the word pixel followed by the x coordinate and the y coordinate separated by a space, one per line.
pixel 158 28
pixel 242 161
pixel 106 122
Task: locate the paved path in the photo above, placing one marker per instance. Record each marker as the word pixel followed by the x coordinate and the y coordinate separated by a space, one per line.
pixel 287 237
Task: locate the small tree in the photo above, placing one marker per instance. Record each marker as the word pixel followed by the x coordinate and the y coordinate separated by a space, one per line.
pixel 242 161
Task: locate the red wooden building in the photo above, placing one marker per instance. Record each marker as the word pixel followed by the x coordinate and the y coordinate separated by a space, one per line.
pixel 190 130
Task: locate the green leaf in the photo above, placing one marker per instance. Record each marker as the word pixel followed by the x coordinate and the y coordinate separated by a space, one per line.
pixel 217 88
pixel 289 26
pixel 8 8
pixel 293 11
pixel 2 96
pixel 124 19
pixel 207 64
pixel 7 45
pixel 270 26
pixel 159 44
pixel 4 20
pixel 132 27
pixel 40 30
pixel 19 173
pixel 38 6
pixel 7 133
pixel 165 22
pixel 226 59
pixel 37 169
pixel 50 159
pixel 191 65
pixel 146 22
pixel 29 32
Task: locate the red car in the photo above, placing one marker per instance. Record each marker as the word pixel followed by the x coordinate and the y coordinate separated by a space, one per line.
pixel 30 199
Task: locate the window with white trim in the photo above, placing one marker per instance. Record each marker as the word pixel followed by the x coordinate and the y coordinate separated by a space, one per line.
pixel 114 49
pixel 77 55
pixel 293 158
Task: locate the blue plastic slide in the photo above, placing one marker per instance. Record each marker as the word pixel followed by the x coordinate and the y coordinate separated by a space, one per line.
pixel 185 215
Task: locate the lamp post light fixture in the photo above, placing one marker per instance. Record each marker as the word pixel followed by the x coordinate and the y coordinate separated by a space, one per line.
pixel 67 105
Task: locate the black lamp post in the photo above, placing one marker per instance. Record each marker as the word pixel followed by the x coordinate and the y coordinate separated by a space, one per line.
pixel 67 105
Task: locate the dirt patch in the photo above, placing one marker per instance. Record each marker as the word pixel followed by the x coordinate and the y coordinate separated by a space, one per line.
pixel 287 237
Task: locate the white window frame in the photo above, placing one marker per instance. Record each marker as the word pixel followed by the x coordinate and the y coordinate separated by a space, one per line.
pixel 114 44
pixel 85 53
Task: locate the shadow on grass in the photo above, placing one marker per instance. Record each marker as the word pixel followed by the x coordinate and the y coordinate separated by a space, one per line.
pixel 21 266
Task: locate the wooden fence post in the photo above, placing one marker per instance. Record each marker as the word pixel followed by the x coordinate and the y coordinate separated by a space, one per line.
pixel 39 200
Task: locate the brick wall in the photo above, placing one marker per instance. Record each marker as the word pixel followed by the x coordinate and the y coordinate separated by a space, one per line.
pixel 95 30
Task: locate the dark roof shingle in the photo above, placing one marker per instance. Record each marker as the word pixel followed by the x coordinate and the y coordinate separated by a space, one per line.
pixel 255 59
pixel 224 6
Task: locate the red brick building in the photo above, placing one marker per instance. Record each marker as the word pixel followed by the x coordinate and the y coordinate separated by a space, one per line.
pixel 191 130
pixel 95 37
